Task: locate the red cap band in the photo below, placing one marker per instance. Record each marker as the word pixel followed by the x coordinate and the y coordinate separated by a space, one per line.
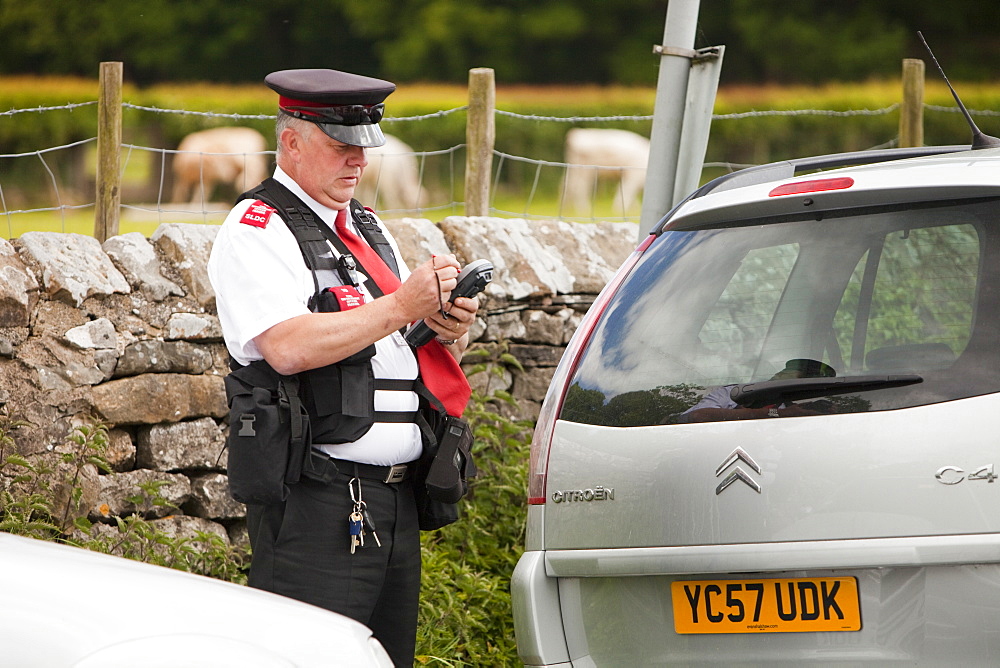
pixel 286 102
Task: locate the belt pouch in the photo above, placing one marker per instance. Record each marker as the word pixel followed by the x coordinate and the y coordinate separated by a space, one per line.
pixel 452 465
pixel 431 514
pixel 444 434
pixel 266 439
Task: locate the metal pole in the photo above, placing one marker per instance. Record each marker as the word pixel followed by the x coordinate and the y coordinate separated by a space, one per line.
pixel 703 83
pixel 668 114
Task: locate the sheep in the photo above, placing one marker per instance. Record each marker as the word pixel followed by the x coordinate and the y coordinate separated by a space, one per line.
pixel 392 178
pixel 230 156
pixel 593 153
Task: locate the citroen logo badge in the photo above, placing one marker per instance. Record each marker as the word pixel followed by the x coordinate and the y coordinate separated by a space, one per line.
pixel 739 454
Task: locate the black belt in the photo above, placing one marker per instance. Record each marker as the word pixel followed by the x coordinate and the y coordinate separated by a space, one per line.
pixel 387 474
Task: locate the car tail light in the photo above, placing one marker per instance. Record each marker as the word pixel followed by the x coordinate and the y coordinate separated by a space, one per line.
pixel 552 406
pixel 813 186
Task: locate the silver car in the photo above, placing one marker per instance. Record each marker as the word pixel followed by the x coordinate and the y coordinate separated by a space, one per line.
pixel 773 439
pixel 66 607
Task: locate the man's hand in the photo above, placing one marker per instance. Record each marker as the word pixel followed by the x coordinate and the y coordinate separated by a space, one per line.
pixel 460 316
pixel 316 339
pixel 429 287
pixel 450 321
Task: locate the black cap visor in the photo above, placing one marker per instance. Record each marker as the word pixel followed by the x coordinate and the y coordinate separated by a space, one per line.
pixel 367 135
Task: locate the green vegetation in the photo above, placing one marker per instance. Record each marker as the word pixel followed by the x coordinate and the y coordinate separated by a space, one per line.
pixel 465 614
pixel 43 497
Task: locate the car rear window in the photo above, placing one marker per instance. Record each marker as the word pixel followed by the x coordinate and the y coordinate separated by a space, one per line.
pixel 862 294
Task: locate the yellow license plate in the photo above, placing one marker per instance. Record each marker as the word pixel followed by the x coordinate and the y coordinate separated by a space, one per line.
pixel 766 606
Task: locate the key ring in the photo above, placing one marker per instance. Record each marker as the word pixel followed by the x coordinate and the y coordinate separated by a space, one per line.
pixel 356 499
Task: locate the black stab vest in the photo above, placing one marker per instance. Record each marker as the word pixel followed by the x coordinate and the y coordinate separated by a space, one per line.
pixel 340 397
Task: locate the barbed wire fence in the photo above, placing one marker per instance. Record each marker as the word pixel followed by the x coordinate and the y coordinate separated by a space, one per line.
pixel 67 200
pixel 623 213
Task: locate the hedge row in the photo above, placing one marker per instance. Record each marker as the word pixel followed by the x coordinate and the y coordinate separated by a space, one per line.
pixel 746 140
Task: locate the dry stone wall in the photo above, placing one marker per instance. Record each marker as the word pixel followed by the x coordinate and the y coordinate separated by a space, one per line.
pixel 126 332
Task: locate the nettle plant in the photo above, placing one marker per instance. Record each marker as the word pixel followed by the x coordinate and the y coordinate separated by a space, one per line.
pixel 465 608
pixel 43 497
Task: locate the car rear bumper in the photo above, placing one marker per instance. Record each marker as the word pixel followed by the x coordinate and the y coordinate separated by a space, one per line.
pixel 537 616
pixel 924 601
pixel 755 557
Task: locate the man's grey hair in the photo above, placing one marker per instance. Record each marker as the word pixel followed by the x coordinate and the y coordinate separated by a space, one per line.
pixel 288 121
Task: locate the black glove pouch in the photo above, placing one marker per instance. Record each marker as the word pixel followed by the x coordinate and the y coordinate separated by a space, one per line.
pixel 444 470
pixel 452 466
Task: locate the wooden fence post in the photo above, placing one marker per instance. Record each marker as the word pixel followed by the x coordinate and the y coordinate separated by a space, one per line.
pixel 109 143
pixel 480 134
pixel 911 113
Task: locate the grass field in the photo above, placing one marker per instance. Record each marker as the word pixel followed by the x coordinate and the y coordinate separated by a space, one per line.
pixel 81 221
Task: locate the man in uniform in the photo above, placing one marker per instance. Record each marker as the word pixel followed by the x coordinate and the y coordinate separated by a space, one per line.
pixel 302 547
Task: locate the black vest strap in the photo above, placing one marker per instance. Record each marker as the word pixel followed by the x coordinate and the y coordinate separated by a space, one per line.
pixel 311 236
pixel 301 220
pixel 373 235
pixel 396 416
pixel 395 384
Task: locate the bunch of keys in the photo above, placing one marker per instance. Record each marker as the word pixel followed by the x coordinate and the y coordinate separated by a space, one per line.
pixel 359 519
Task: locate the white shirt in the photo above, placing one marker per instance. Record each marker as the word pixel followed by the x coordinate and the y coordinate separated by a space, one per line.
pixel 260 279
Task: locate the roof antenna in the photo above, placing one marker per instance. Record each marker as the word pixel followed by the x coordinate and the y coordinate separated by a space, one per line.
pixel 979 140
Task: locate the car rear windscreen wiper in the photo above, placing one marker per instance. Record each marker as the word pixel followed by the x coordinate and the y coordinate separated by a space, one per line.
pixel 770 392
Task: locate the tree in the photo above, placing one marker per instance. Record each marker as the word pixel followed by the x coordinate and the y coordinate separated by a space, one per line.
pixel 812 41
pixel 530 41
pixel 172 40
pixel 525 41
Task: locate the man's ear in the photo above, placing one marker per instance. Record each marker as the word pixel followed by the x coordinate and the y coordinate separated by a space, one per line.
pixel 291 142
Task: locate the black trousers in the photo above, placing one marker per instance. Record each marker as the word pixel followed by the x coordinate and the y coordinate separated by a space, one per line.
pixel 301 549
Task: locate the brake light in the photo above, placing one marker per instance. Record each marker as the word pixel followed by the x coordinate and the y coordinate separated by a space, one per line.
pixel 814 186
pixel 545 426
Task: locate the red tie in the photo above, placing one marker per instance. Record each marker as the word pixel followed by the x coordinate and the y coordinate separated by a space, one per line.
pixel 440 372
